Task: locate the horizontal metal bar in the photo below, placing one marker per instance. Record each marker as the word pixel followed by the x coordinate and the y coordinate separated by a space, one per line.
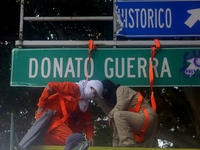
pixel 152 0
pixel 86 18
pixel 136 43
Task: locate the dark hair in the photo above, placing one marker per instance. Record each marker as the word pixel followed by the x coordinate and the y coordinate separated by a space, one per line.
pixel 109 92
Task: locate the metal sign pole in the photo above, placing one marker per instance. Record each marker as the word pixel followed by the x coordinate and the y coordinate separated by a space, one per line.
pixel 114 23
pixel 111 43
pixel 12 132
pixel 21 21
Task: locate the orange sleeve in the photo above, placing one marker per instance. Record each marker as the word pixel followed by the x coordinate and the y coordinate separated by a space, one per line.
pixel 44 97
pixel 89 128
pixel 64 88
pixel 89 131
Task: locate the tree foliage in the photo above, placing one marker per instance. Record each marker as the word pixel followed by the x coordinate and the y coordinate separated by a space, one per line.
pixel 178 108
pixel 68 30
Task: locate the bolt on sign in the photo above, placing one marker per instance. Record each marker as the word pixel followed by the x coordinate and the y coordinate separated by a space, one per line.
pixel 35 67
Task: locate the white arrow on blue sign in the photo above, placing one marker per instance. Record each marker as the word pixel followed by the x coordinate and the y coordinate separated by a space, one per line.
pixel 150 18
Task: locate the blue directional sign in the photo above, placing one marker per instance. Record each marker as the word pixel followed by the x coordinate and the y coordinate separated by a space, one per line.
pixel 158 18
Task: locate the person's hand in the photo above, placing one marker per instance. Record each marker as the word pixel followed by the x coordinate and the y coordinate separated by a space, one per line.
pixel 91 141
pixel 40 110
pixel 110 123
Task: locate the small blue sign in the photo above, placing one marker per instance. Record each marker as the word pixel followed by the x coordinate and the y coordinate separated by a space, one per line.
pixel 152 18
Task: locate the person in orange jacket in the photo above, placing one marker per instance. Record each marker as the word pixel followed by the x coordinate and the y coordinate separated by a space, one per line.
pixel 71 101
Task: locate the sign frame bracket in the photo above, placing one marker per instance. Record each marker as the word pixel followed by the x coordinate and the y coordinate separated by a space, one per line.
pixel 108 43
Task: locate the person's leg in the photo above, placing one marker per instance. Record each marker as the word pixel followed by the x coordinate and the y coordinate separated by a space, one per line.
pixel 150 132
pixel 115 135
pixel 126 122
pixel 58 135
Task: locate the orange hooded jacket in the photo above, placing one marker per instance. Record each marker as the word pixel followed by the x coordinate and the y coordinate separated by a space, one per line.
pixel 76 120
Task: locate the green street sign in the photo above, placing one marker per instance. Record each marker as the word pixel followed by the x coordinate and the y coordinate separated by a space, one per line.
pixel 36 67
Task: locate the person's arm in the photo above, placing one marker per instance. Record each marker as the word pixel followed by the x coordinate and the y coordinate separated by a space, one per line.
pixel 89 128
pixel 43 98
pixel 63 88
pixel 124 96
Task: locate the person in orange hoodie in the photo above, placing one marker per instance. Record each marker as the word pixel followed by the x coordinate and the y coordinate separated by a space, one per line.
pixel 71 102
